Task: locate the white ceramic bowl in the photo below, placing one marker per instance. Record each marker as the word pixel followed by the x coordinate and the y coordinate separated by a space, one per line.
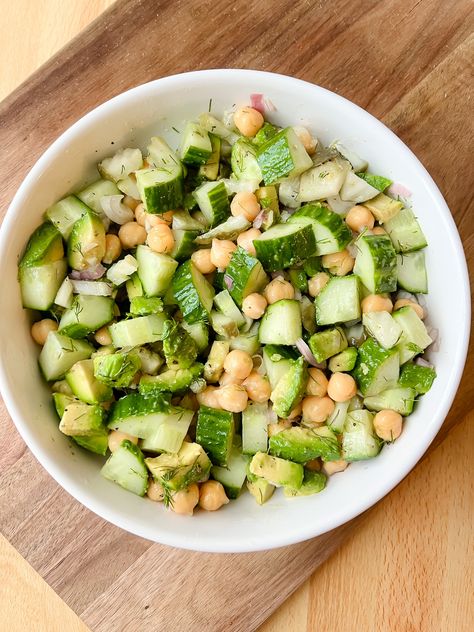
pixel 129 119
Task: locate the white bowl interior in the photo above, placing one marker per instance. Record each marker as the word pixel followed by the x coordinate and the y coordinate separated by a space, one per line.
pixel 130 120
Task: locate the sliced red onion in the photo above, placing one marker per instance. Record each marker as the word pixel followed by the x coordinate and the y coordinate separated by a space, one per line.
pixel 92 288
pixel 397 189
pixel 115 210
pixel 257 102
pixel 89 274
pixel 307 353
pixel 258 221
pixel 422 362
pixel 229 282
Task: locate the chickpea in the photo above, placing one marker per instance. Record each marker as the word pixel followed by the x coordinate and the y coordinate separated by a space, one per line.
pixel 161 239
pixel 155 491
pixel 239 364
pixel 131 202
pixel 212 496
pixel 254 305
pixel 317 409
pixel 202 261
pixel 233 398
pixel 388 425
pixel 221 252
pixel 376 303
pixel 317 282
pixel 306 138
pixel 296 412
pixel 317 383
pixel 245 240
pixel 278 289
pixel 113 248
pixel 131 235
pixel 166 218
pixel 41 329
pixel 246 204
pixel 248 121
pixel 148 220
pixel 359 217
pixel 378 230
pixel 405 302
pixel 116 437
pixel 274 429
pixel 338 263
pixel 228 378
pixel 341 387
pixel 102 336
pixel 140 214
pixel 258 388
pixel 332 467
pixel 314 465
pixel 208 397
pixel 184 501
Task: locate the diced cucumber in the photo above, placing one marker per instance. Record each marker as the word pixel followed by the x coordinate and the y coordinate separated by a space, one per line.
pixel 359 441
pixel 214 126
pixel 233 476
pixel 277 362
pixel 312 265
pixel 301 445
pixel 161 187
pixel 170 432
pixel 415 337
pixel 86 315
pixel 284 245
pixel 343 361
pixel 65 213
pixel 278 472
pixel 223 325
pixel 230 229
pixel 59 353
pixel 245 275
pixel 96 443
pixel 288 190
pixel 126 467
pixel 196 145
pixel 137 331
pixel 268 199
pixel 137 415
pixel 215 362
pixel 44 246
pixel 39 285
pixel 247 341
pixel 400 399
pixel 282 156
pixel 210 170
pixel 64 295
pixel 338 301
pixel 358 163
pixel 145 305
pixel 418 377
pixel 382 327
pixel 155 270
pixel 298 279
pixel 61 400
pixel 121 164
pixel 184 244
pixel 150 361
pixel 330 231
pixel 182 220
pixel 355 189
pixel 337 418
pixel 378 182
pixel 290 389
pixel 411 272
pixel 193 293
pixel 377 369
pixel 199 332
pixel 383 208
pixel 128 186
pixel 376 263
pixel 85 386
pixel 171 381
pixel 225 304
pixel 281 323
pixel 134 287
pixel 259 487
pixel 92 194
pixel 264 134
pixel 86 243
pixel 179 471
pixel 215 432
pixel 244 161
pixel 308 314
pixel 82 420
pixel 323 181
pixel 405 231
pixel 255 428
pixel 213 202
pixel 313 483
pixel 327 343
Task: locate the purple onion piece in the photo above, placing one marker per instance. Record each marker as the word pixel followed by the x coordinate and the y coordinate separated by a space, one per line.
pixel 89 274
pixel 423 362
pixel 307 354
pixel 229 282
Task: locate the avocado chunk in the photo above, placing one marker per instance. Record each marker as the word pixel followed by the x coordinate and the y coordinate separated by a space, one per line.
pixel 259 487
pixel 313 483
pixel 290 389
pixel 85 386
pixel 97 444
pixel 178 471
pixel 44 246
pixel 343 361
pixel 81 419
pixel 305 444
pixel 86 243
pixel 172 381
pixel 215 362
pixel 276 471
pixel 116 369
pixel 419 377
pixel 327 343
pixel 179 348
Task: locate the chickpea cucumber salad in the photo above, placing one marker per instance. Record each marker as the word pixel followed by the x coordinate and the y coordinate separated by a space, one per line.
pixel 240 313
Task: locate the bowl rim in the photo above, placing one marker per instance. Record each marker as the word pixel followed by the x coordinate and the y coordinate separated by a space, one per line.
pixel 307 531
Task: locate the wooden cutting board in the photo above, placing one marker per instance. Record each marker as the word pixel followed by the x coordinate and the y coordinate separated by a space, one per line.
pixel 418 56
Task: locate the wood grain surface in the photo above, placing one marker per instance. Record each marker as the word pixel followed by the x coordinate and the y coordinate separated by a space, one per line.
pixel 407 63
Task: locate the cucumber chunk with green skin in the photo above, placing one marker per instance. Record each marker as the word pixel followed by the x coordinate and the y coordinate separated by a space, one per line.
pixel 116 369
pixel 378 182
pixel 414 338
pixel 285 245
pixel 230 229
pixel 137 331
pixel 126 467
pixel 145 305
pixel 245 275
pixel 184 244
pixel 282 156
pixel 85 386
pixel 59 353
pixel 65 213
pixel 400 399
pixel 312 265
pixel 193 293
pixel 264 134
pixel 298 279
pixel 301 445
pixel 281 323
pixel 86 243
pixel 313 483
pixel 330 231
pixel 327 343
pixel 213 202
pixel 343 361
pixel 225 304
pixel 223 325
pixel 121 164
pixel 268 199
pixel 210 169
pixel 44 246
pixel 39 285
pixel 86 315
pixel 82 420
pixel 182 220
pixel 214 126
pixel 359 441
pixel 92 194
pixel 196 145
pixel 214 366
pixel 377 369
pixel 376 263
pixel 411 272
pixel 278 472
pixel 233 476
pixel 137 415
pixel 161 186
pixel 405 231
pixel 98 444
pixel 134 287
pixel 382 327
pixel 338 301
pixel 215 432
pixel 337 418
pixel 323 181
pixel 199 332
pixel 418 377
pixel 178 347
pixel 290 389
pixel 356 190
pixel 255 428
pixel 277 362
pixel 383 208
pixel 259 487
pixel 171 381
pixel 155 270
pixel 170 432
pixel 244 161
pixel 178 471
pixel 247 341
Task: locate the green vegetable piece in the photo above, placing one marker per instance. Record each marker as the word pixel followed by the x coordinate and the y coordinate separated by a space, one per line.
pixel 98 444
pixel 116 369
pixel 193 293
pixel 145 305
pixel 377 369
pixel 331 233
pixel 305 444
pixel 378 182
pixel 383 208
pixel 312 265
pixel 359 441
pixel 338 301
pixel 86 243
pixel 418 377
pixel 81 419
pixel 44 246
pixel 400 399
pixel 215 362
pixel 172 381
pixel 313 483
pixel 245 275
pixel 264 134
pixel 376 263
pixel 259 487
pixel 126 467
pixel 215 432
pixel 86 315
pixel 179 348
pixel 282 156
pixel 233 475
pixel 343 361
pixel 85 386
pixel 298 279
pixel 327 343
pixel 278 472
pixel 290 389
